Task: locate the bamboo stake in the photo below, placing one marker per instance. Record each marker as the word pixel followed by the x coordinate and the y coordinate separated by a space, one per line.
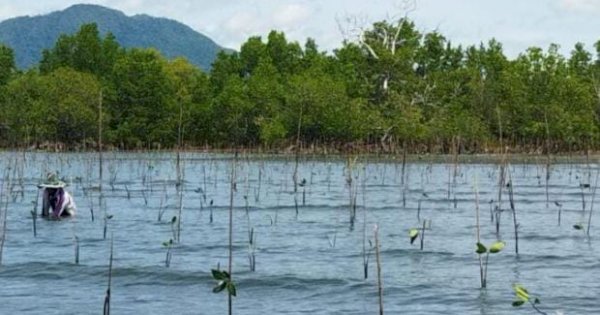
pixel 481 274
pixel 107 297
pixel 231 192
pixel 379 280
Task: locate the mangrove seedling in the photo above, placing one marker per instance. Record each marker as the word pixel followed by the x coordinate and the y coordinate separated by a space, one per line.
pixel 494 249
pixel 211 211
pixel 252 249
pixel 34 217
pixel 303 185
pixel 332 239
pixel 106 218
pixel 523 297
pixel 224 282
pixel 579 226
pixel 414 233
pixel 173 230
pixel 76 246
pixel 366 256
pixel 559 205
pixel 514 212
pixel 168 245
pixel 162 205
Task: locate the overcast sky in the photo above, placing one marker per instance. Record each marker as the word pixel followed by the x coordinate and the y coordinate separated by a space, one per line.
pixel 517 24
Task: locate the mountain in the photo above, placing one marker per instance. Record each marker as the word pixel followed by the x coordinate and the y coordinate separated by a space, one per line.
pixel 28 36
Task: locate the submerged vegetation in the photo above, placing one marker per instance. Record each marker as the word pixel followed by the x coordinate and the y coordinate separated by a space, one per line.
pixel 388 87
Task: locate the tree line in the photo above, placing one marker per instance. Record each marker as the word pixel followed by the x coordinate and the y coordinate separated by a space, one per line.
pixel 389 86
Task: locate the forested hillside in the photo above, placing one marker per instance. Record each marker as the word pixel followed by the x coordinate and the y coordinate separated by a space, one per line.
pixel 392 87
pixel 28 36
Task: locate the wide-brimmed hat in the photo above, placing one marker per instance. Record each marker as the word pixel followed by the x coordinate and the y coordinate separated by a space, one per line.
pixel 52 181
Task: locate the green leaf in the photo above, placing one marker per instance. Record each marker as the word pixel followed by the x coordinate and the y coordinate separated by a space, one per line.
pixel 536 301
pixel 481 249
pixel 413 233
pixel 108 217
pixel 218 274
pixel 173 220
pixel 578 226
pixel 518 303
pixel 231 288
pixel 521 292
pixel 220 287
pixel 497 247
pixel 165 244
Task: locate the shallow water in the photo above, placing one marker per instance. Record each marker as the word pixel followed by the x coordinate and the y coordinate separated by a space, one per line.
pixel 310 263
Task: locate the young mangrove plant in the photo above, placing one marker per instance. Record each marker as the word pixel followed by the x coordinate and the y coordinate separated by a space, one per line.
pixel 501 183
pixel 582 186
pixel 414 233
pixel 559 205
pixel 589 223
pixel 481 249
pixel 303 185
pixel 225 277
pixel 91 205
pixel 76 246
pixel 494 249
pixel 107 217
pixel 34 216
pixel 352 190
pixel 162 205
pixel 168 245
pixel 252 249
pixel 173 227
pixel 211 211
pixel 224 282
pixel 366 254
pixel 251 238
pixel 514 212
pixel 523 297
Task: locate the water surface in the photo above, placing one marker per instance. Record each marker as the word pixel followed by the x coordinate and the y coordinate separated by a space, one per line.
pixel 306 263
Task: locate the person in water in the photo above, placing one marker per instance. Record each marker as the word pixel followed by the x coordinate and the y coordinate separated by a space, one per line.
pixel 55 197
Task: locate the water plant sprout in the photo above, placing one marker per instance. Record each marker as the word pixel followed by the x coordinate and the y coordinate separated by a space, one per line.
pixel 523 297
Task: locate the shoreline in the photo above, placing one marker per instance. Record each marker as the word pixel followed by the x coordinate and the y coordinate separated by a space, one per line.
pixel 306 155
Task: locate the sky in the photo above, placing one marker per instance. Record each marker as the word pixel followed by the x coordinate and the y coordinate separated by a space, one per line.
pixel 517 24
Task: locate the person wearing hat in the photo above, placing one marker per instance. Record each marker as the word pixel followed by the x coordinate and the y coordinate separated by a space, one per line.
pixel 55 197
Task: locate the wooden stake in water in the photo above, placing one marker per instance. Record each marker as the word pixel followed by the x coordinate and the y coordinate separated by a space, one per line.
pixel 100 167
pixel 364 240
pixel 34 213
pixel 423 233
pixel 3 214
pixel 512 208
pixel 76 245
pixel 229 268
pixel 379 280
pixel 589 224
pixel 107 297
pixel 483 284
